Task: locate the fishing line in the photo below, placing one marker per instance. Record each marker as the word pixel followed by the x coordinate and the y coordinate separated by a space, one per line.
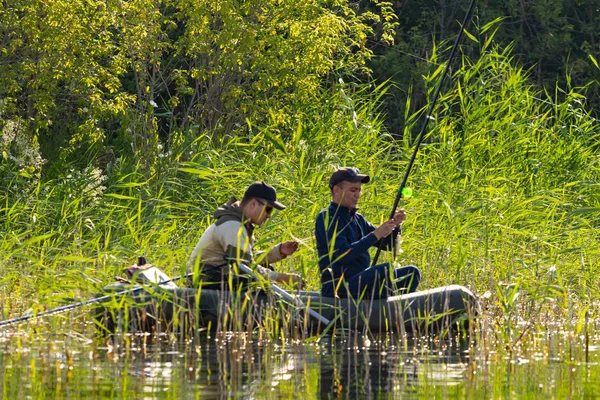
pixel 425 122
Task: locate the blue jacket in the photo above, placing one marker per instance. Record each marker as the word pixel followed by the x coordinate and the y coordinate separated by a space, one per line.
pixel 344 237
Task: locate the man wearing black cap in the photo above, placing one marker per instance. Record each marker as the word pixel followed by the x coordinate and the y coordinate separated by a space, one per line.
pixel 229 241
pixel 344 237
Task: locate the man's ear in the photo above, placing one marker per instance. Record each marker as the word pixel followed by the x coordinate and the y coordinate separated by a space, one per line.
pixel 337 192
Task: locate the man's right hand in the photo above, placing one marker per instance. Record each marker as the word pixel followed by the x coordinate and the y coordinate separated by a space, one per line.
pixel 384 229
pixel 388 226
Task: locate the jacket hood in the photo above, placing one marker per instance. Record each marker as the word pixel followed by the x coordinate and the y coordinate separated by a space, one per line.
pixel 231 211
pixel 228 212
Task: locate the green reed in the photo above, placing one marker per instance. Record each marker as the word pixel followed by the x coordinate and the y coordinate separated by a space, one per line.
pixel 506 200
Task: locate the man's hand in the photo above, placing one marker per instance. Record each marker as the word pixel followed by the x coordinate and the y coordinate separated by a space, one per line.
pixel 288 248
pixel 399 217
pixel 384 229
pixel 388 226
pixel 292 279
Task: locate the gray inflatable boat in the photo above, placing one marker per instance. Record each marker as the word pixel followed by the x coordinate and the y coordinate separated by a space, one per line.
pixel 158 309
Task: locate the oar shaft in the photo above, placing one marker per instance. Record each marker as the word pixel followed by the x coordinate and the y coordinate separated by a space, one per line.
pixel 295 300
pixel 287 296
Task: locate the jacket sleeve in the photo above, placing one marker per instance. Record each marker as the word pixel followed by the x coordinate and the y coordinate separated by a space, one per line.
pixel 274 255
pixel 332 242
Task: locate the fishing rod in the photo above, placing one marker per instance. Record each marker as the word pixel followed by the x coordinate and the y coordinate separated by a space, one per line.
pixel 428 116
pixel 73 306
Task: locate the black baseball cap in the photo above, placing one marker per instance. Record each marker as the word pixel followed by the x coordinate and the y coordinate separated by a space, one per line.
pixel 349 174
pixel 264 191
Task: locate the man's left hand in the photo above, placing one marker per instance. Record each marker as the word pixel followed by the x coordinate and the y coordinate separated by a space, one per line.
pixel 292 279
pixel 399 217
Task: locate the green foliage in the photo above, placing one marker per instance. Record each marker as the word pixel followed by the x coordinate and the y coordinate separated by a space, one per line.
pixel 134 77
pixel 58 70
pixel 505 191
pixel 505 187
pixel 556 40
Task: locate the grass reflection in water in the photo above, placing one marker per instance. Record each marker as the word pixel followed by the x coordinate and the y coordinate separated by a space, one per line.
pixel 241 366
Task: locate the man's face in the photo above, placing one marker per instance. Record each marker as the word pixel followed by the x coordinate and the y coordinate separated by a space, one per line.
pixel 259 211
pixel 347 194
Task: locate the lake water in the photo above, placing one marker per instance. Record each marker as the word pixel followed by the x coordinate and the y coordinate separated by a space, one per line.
pixel 75 366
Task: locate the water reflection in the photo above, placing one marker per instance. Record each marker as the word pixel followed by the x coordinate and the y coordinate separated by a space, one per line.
pixel 242 366
pixel 245 367
pixel 357 370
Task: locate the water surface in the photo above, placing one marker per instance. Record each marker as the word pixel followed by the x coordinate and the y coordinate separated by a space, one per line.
pixel 237 366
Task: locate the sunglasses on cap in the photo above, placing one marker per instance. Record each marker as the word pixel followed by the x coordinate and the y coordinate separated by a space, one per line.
pixel 268 209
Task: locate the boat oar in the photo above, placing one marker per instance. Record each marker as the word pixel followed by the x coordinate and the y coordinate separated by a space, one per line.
pixel 426 120
pixel 83 303
pixel 286 296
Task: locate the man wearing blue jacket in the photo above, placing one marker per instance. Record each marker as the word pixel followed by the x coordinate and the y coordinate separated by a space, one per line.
pixel 344 237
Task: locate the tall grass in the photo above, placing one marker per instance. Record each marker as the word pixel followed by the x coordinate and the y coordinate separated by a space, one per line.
pixel 507 194
pixel 506 198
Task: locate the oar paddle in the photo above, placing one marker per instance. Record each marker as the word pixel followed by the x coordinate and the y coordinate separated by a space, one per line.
pixel 286 296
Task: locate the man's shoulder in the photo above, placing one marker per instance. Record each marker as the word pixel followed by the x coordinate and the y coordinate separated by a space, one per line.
pixel 359 215
pixel 228 226
pixel 324 210
pixel 228 221
pixel 328 211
